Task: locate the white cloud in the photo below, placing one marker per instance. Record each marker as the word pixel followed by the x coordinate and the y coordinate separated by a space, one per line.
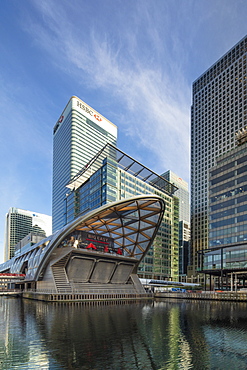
pixel 157 113
pixel 138 56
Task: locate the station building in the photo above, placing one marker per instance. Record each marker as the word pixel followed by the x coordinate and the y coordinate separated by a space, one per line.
pixel 94 257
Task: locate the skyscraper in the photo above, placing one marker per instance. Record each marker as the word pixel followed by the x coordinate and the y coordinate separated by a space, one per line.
pixel 19 223
pixel 219 109
pixel 78 135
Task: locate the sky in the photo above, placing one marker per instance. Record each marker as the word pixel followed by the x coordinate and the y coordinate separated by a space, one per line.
pixel 133 61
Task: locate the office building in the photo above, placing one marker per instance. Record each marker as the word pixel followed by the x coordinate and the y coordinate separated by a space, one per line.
pixel 113 175
pixel 78 135
pixel 226 257
pixel 184 218
pixel 219 109
pixel 19 223
pixel 182 194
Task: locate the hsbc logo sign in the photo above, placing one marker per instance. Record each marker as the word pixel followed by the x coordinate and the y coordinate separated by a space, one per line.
pixel 98 117
pixel 89 111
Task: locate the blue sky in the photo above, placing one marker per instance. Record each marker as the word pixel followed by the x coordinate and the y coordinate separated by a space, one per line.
pixel 133 61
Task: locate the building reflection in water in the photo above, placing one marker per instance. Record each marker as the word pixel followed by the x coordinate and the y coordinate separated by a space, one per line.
pixel 158 335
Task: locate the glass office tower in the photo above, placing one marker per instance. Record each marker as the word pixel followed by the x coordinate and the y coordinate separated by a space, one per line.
pixel 78 135
pixel 226 257
pixel 113 175
pixel 219 109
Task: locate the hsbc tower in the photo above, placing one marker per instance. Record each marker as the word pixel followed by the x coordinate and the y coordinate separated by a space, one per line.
pixel 79 134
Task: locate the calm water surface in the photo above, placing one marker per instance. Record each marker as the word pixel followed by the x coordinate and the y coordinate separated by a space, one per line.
pixel 158 335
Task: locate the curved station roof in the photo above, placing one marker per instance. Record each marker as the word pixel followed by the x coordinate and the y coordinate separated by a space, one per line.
pixel 131 224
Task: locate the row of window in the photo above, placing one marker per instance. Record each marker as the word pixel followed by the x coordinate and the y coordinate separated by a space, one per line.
pixel 229 184
pixel 228 265
pixel 228 240
pixel 229 230
pixel 229 203
pixel 228 194
pixel 229 212
pixel 228 221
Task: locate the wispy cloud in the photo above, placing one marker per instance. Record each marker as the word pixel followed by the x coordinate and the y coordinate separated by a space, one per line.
pixel 138 58
pixel 156 98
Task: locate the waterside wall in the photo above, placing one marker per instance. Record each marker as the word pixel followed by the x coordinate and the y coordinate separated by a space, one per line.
pixel 81 297
pixel 213 296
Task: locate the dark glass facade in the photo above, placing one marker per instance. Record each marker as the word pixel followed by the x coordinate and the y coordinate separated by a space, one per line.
pixel 219 109
pixel 227 252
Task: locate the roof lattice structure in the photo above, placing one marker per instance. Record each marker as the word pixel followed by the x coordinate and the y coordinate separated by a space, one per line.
pixel 125 162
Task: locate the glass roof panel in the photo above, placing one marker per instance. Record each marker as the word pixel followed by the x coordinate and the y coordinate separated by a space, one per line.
pixel 145 225
pixel 142 238
pixel 144 212
pixel 119 240
pixel 132 223
pixel 130 240
pixel 144 244
pixel 148 231
pixel 138 250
